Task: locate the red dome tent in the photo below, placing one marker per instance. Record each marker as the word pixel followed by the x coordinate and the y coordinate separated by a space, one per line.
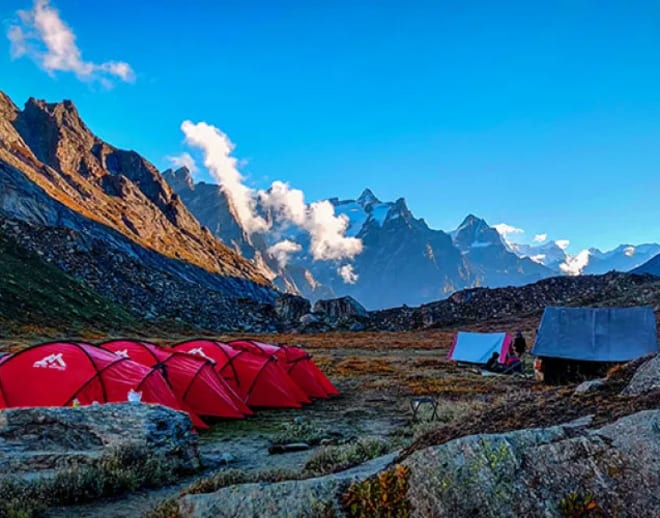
pixel 57 373
pixel 298 364
pixel 192 378
pixel 258 379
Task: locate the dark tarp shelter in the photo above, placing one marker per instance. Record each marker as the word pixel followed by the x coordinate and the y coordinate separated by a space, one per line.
pixel 596 334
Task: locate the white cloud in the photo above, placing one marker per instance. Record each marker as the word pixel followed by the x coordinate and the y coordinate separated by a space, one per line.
pixel 506 231
pixel 327 233
pixel 284 205
pixel 326 229
pixel 562 243
pixel 347 274
pixel 43 36
pixel 183 160
pixel 540 238
pixel 629 251
pixel 217 150
pixel 574 265
pixel 282 250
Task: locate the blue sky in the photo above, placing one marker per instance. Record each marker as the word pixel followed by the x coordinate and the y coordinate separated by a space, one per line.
pixel 545 116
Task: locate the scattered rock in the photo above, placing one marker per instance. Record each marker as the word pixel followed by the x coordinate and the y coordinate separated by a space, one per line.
pixel 288 448
pixel 482 304
pixel 590 386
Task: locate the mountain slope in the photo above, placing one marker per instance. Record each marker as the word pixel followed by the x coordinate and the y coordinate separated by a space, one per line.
pixel 403 261
pixel 106 218
pixel 651 267
pixel 37 297
pixel 51 145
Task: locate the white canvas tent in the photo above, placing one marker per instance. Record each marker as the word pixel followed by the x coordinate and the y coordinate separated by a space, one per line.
pixel 596 334
pixel 479 347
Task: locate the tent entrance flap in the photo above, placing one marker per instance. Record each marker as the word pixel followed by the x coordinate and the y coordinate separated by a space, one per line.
pixel 479 347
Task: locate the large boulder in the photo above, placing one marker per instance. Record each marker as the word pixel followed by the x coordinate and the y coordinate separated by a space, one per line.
pixel 341 308
pixel 542 472
pixel 42 440
pixel 645 379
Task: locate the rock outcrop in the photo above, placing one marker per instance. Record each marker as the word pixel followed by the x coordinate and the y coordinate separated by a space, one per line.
pixel 645 379
pixel 540 472
pixel 310 497
pixel 343 307
pixel 291 308
pixel 37 441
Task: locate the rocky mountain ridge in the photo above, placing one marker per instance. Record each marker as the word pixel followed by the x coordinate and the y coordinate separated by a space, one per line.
pixel 477 305
pixel 106 218
pixel 51 145
pixel 403 259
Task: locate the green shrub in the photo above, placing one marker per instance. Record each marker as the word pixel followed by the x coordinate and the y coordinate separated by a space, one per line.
pixel 331 459
pixel 302 431
pixel 577 505
pixel 383 496
pixel 232 477
pixel 122 469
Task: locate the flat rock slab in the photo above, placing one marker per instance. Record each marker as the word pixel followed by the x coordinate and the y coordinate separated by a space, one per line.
pixel 34 440
pixel 282 499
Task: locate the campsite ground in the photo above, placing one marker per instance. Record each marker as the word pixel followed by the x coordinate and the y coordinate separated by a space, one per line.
pixel 377 374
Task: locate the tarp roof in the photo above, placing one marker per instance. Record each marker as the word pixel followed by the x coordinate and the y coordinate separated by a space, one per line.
pixel 479 347
pixel 597 334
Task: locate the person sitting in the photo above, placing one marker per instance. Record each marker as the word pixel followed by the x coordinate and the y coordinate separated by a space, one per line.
pixel 519 344
pixel 513 362
pixel 493 364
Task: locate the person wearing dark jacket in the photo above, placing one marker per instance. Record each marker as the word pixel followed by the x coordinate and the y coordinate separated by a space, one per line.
pixel 519 344
pixel 493 364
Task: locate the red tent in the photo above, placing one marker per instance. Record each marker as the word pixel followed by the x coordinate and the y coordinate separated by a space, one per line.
pixel 192 378
pixel 57 373
pixel 258 379
pixel 298 364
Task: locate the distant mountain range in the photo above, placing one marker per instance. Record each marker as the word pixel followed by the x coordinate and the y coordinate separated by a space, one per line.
pixel 403 261
pixel 623 258
pixel 161 246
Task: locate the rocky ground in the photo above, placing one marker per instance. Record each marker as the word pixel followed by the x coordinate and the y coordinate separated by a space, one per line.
pixel 378 374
